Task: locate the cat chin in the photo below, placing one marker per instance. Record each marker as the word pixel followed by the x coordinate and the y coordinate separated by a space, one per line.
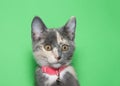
pixel 56 65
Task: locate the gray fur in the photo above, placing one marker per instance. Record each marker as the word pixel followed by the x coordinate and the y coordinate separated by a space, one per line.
pixel 56 37
pixel 68 80
pixel 40 78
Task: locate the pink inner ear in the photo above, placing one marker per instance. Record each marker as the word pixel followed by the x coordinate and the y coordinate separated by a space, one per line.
pixel 71 26
pixel 36 36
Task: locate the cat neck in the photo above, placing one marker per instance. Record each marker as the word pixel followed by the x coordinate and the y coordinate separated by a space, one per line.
pixel 52 71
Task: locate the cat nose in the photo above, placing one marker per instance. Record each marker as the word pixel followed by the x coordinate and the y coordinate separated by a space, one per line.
pixel 58 58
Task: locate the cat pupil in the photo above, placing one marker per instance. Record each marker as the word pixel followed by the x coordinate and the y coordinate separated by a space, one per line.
pixel 64 47
pixel 48 48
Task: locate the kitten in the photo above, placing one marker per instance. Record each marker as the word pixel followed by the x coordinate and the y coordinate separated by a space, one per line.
pixel 53 49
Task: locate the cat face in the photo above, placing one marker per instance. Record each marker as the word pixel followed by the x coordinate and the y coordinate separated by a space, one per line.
pixel 53 47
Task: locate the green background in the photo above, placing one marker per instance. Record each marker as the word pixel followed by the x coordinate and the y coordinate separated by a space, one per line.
pixel 97 56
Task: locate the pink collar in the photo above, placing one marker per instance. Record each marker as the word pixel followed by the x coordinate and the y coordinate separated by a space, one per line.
pixel 52 71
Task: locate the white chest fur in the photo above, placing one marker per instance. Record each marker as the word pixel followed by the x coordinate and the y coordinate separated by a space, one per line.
pixel 53 78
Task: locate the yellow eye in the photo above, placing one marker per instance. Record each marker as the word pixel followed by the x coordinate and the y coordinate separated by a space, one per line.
pixel 65 47
pixel 48 47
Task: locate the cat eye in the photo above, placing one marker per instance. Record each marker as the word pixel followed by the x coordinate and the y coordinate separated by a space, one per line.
pixel 65 47
pixel 48 47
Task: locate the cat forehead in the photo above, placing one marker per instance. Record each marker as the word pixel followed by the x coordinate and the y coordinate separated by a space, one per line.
pixel 54 36
pixel 61 39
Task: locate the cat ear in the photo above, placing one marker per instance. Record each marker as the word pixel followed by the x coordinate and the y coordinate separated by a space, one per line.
pixel 70 27
pixel 38 27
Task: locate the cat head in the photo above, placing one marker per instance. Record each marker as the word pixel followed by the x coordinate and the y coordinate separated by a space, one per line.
pixel 53 47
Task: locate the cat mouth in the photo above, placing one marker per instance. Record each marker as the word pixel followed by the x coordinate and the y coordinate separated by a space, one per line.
pixel 56 65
